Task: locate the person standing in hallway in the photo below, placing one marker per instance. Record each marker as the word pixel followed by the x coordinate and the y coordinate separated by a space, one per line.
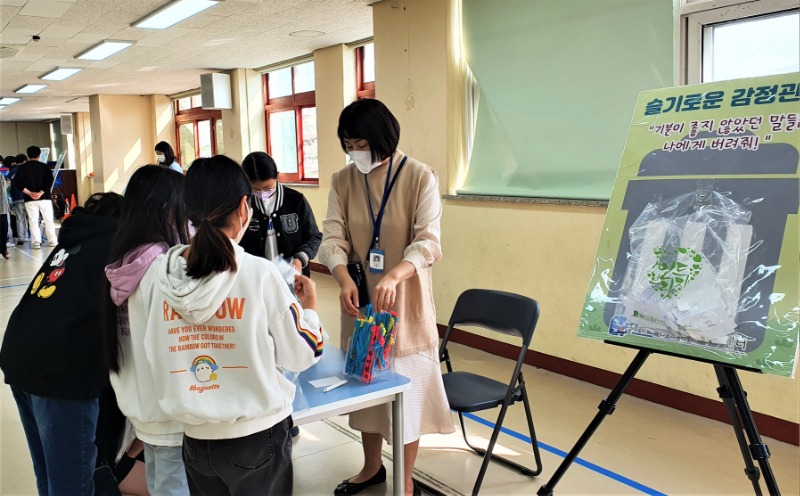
pixel 386 205
pixel 18 201
pixel 154 222
pixel 52 352
pixel 234 403
pixel 166 157
pixel 5 209
pixel 35 179
pixel 282 209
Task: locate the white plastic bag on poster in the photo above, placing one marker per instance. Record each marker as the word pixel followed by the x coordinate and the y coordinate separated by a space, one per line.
pixel 687 262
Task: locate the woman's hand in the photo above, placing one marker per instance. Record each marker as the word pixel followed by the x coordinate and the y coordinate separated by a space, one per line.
pixel 385 293
pixel 349 297
pixel 306 291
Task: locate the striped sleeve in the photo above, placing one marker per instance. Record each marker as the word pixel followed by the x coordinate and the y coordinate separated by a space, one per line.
pixel 313 340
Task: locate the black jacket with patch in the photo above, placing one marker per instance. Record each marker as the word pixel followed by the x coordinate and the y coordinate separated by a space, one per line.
pixel 294 224
pixel 53 345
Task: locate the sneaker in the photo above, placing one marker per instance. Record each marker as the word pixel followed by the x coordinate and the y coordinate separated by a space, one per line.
pixel 20 242
pixel 52 243
pixel 10 243
pixel 36 246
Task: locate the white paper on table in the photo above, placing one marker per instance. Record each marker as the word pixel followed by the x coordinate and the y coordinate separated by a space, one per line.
pixel 325 382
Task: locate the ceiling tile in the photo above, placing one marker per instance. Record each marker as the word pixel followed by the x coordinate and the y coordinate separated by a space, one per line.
pixel 60 32
pixel 104 64
pixel 45 64
pixel 163 37
pixel 45 8
pixel 15 36
pixel 33 24
pixel 33 52
pixel 6 13
pixel 87 38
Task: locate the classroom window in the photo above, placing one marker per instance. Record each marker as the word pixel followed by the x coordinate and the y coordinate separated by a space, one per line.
pixel 291 117
pixel 745 40
pixel 198 131
pixel 365 71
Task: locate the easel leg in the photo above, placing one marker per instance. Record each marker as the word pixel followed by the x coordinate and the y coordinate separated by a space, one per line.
pixel 742 418
pixel 606 407
pixel 726 395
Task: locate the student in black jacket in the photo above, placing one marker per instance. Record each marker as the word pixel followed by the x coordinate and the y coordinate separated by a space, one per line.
pixel 296 234
pixel 52 352
pixel 35 179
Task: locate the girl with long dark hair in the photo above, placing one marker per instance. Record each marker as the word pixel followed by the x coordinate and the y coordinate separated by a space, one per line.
pixel 154 221
pixel 219 324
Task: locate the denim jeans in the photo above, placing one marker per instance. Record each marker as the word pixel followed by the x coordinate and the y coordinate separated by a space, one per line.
pixel 60 436
pixel 165 473
pixel 260 463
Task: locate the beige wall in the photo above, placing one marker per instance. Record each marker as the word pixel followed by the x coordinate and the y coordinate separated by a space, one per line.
pixel 120 144
pixel 164 120
pixel 412 71
pixel 244 125
pixel 83 151
pixel 335 88
pixel 16 137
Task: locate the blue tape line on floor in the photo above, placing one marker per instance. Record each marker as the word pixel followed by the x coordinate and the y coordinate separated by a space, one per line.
pixel 14 285
pixel 591 466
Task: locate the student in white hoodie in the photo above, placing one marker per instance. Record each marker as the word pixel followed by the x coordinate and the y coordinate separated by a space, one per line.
pixel 219 324
pixel 154 221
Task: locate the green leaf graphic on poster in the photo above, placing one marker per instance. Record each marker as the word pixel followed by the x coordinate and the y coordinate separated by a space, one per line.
pixel 700 251
pixel 669 278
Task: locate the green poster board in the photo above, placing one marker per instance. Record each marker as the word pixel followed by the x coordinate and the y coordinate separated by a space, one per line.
pixel 700 251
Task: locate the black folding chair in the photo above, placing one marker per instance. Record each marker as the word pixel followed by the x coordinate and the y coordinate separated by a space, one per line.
pixel 505 313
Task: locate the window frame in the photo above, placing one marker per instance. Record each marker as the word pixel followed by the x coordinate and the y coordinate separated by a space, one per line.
pixel 695 15
pixel 193 116
pixel 295 102
pixel 363 89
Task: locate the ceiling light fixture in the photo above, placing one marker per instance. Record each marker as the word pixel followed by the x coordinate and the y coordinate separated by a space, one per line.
pixel 104 49
pixel 61 73
pixel 8 100
pixel 30 88
pixel 173 13
pixel 306 33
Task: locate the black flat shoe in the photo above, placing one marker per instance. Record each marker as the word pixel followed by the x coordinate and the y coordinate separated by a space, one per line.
pixel 354 487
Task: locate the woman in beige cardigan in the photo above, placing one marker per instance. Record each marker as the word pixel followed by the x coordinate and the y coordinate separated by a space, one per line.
pixel 388 204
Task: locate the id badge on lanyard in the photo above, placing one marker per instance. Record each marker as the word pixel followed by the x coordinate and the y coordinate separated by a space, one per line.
pixel 376 258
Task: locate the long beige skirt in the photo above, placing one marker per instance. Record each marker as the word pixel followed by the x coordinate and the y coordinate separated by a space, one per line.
pixel 425 407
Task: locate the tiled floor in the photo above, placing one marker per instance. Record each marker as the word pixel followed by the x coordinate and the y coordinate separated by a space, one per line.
pixel 642 448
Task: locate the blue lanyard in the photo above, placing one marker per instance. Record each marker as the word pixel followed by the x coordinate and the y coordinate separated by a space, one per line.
pixel 387 190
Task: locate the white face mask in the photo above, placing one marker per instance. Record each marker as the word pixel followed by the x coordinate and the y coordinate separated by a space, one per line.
pixel 161 158
pixel 363 160
pixel 243 226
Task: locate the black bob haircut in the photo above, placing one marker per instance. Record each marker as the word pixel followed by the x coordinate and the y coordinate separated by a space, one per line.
pixel 34 152
pixel 370 120
pixel 259 167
